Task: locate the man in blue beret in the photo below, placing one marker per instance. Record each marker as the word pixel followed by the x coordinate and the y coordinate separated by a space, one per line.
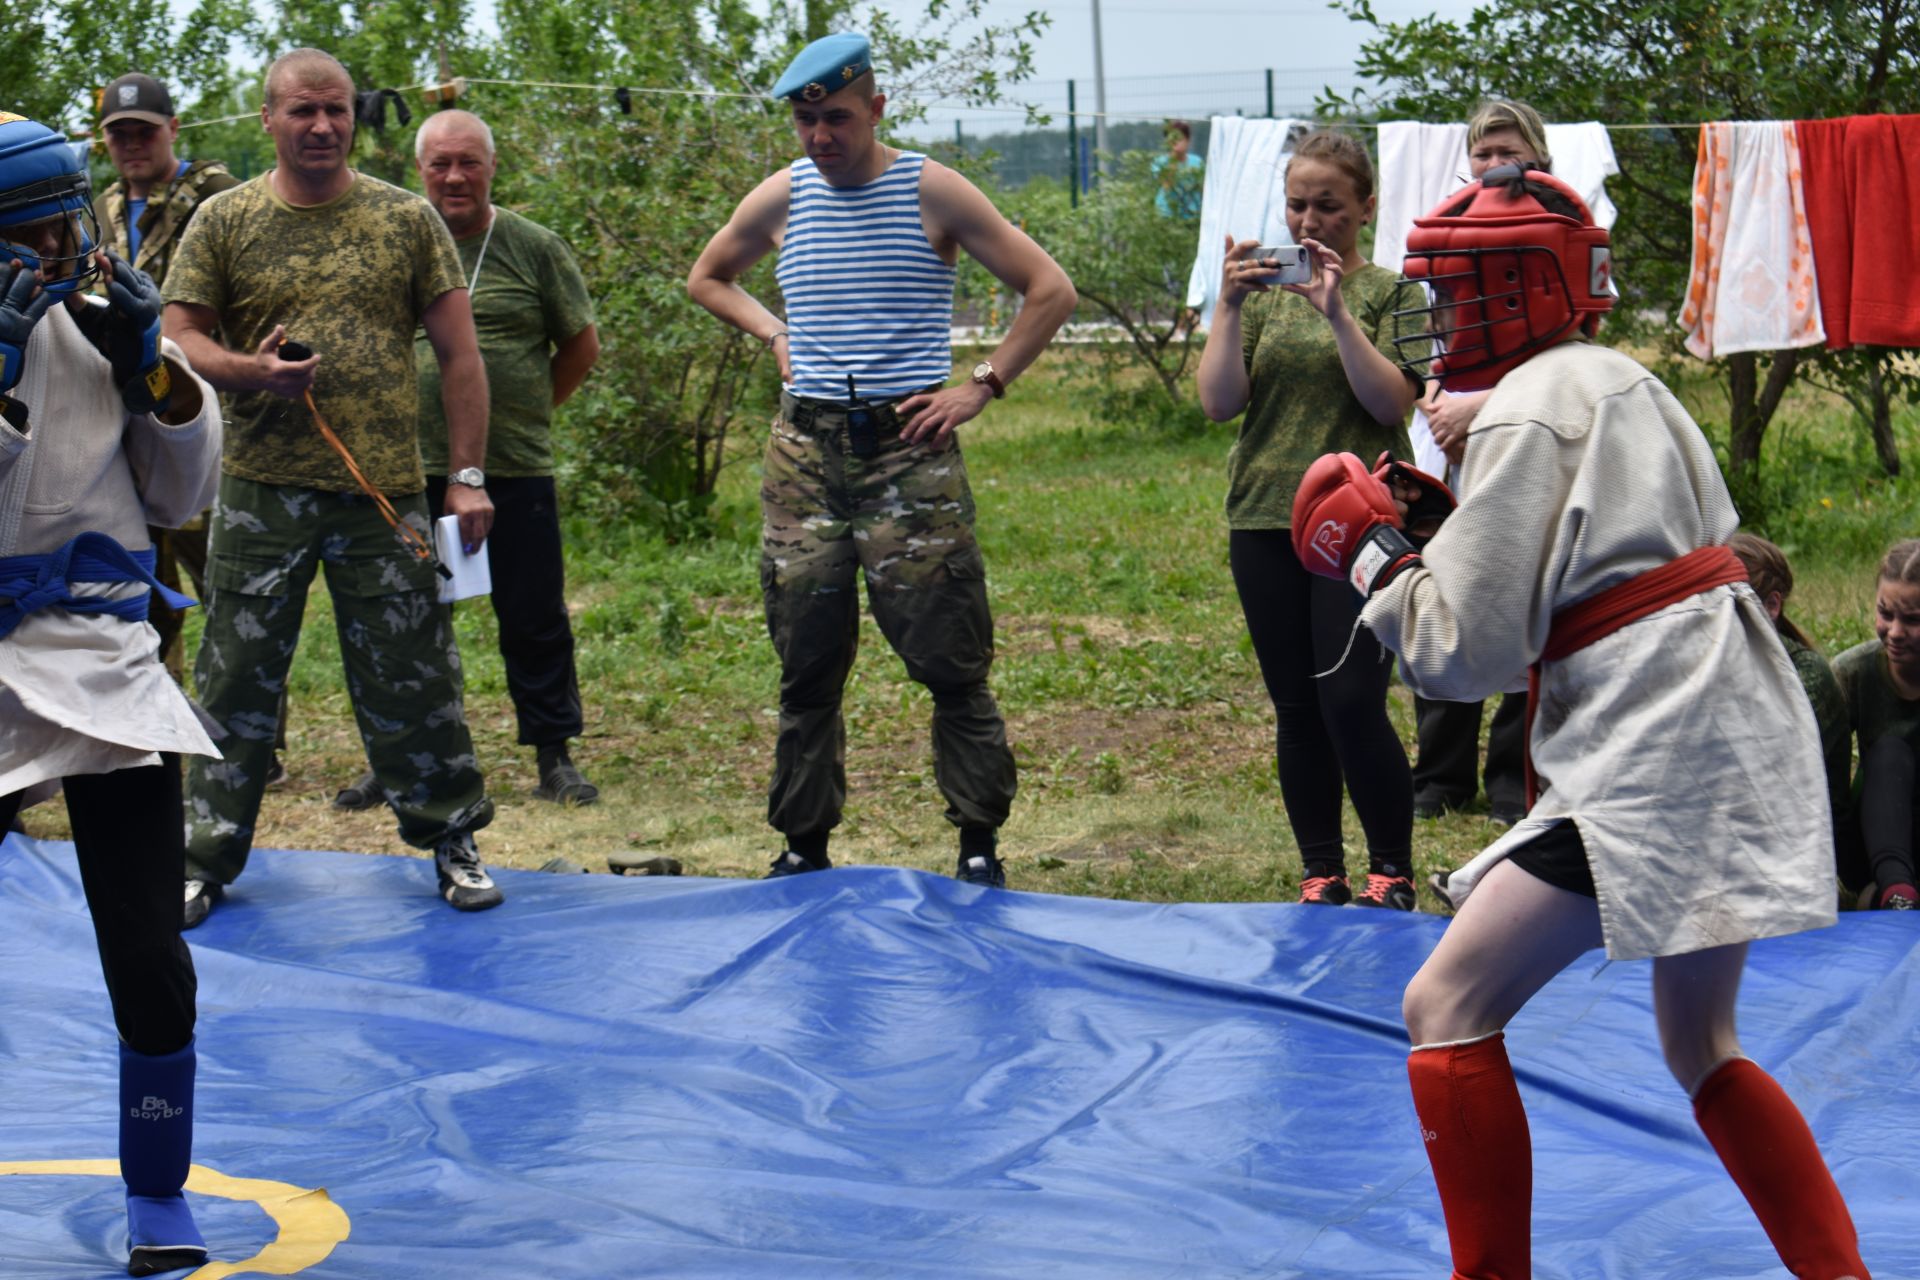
pixel 863 471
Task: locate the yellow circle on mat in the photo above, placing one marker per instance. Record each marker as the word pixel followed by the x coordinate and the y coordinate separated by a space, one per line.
pixel 311 1224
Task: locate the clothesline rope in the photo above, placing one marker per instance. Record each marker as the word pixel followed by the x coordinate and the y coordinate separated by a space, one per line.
pixel 939 103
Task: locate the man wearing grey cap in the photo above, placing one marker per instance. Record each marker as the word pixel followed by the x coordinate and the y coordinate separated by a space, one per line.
pixel 141 219
pixel 863 473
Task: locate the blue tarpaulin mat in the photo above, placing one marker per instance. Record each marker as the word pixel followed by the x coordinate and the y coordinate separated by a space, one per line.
pixel 878 1072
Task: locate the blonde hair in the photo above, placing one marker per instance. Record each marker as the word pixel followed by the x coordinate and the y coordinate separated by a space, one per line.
pixel 1768 572
pixel 1344 152
pixel 1500 113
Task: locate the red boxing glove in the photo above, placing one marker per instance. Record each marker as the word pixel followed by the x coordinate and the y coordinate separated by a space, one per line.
pixel 1345 525
pixel 1424 513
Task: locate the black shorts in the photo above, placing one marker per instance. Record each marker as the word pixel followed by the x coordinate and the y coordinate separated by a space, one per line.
pixel 1559 857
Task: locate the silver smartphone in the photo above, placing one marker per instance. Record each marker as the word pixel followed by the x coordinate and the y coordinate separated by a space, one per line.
pixel 1292 261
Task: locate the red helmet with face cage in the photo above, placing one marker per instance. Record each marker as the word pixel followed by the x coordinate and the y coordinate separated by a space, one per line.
pixel 1503 275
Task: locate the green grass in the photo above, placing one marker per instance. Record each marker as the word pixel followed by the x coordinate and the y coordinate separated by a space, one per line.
pixel 1135 708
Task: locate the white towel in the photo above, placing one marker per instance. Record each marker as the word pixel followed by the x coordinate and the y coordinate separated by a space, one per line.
pixel 1423 164
pixel 1245 196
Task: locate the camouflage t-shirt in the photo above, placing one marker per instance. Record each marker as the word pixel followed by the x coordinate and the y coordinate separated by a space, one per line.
pixel 528 298
pixel 1300 404
pixel 349 278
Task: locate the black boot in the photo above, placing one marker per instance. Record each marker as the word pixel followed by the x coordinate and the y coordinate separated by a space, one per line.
pixel 560 782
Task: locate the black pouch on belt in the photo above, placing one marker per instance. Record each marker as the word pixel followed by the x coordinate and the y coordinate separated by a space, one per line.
pixel 863 428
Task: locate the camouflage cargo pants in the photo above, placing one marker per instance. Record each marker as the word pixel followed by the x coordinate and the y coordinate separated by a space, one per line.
pixel 905 518
pixel 396 641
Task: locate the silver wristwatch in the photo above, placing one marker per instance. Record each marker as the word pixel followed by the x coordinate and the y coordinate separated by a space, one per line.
pixel 471 477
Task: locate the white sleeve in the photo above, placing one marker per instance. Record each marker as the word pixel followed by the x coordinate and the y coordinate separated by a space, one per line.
pixel 1475 615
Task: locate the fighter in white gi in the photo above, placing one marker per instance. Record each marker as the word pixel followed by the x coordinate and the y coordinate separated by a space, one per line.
pixel 105 431
pixel 1677 820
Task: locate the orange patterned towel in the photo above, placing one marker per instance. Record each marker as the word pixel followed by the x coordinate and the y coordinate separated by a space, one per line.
pixel 1752 286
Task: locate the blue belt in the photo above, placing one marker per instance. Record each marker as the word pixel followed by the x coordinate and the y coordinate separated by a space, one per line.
pixel 46 581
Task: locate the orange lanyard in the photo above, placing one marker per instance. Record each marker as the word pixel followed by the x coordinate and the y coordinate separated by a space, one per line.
pixel 409 536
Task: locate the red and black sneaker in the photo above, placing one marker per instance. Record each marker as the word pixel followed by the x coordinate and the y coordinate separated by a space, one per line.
pixel 1327 891
pixel 1387 891
pixel 1898 897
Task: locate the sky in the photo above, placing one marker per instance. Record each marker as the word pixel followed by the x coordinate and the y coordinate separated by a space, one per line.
pixel 1200 57
pixel 1163 57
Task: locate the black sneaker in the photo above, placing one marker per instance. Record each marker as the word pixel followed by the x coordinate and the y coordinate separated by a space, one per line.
pixel 561 782
pixel 464 883
pixel 202 895
pixel 364 793
pixel 790 863
pixel 1438 883
pixel 982 868
pixel 1427 807
pixel 1505 815
pixel 1393 892
pixel 276 773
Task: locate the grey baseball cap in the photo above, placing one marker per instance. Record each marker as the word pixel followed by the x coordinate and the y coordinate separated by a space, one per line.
pixel 136 97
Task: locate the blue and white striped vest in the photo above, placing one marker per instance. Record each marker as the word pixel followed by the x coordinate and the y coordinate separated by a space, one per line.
pixel 866 294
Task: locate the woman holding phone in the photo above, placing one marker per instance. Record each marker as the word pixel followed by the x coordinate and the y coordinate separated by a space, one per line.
pixel 1311 365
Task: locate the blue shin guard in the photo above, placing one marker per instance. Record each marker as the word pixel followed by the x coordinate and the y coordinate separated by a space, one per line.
pixel 156 1146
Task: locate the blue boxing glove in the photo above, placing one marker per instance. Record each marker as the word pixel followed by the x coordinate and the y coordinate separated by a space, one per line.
pixel 20 309
pixel 127 332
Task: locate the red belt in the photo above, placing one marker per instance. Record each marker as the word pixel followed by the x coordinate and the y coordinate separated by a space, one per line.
pixel 1598 616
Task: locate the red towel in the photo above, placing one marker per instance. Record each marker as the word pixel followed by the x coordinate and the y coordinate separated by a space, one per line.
pixel 1861 177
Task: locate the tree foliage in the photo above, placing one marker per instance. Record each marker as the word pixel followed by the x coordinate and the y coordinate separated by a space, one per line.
pixel 1129 262
pixel 1672 63
pixel 636 190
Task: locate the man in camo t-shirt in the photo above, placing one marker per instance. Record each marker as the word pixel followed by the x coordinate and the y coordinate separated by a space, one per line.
pixel 346 265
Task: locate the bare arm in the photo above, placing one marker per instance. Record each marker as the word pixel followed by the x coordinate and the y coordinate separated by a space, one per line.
pixel 448 321
pixel 572 361
pixel 1222 378
pixel 751 234
pixel 1380 385
pixel 1449 414
pixel 955 210
pixel 194 328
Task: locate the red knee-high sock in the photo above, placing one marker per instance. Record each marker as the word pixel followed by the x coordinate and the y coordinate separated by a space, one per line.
pixel 1765 1143
pixel 1482 1155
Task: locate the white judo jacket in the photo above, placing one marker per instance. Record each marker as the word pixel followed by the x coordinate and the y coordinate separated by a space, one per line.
pixel 86 693
pixel 1681 745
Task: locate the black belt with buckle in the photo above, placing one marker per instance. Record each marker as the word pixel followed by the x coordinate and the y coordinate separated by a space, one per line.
pixel 824 417
pixel 865 421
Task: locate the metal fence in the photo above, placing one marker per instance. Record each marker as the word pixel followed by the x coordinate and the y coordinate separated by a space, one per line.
pixel 1138 108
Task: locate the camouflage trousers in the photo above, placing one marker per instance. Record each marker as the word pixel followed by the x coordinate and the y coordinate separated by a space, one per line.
pixel 904 519
pixel 396 642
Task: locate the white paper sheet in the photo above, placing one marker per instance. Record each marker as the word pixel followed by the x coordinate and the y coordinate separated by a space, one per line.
pixel 472 574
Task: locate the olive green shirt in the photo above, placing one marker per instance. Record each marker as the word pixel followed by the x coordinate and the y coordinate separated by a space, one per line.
pixel 1874 707
pixel 169 208
pixel 528 298
pixel 351 279
pixel 1300 404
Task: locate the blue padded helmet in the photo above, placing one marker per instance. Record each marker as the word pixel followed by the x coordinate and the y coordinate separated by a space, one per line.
pixel 42 177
